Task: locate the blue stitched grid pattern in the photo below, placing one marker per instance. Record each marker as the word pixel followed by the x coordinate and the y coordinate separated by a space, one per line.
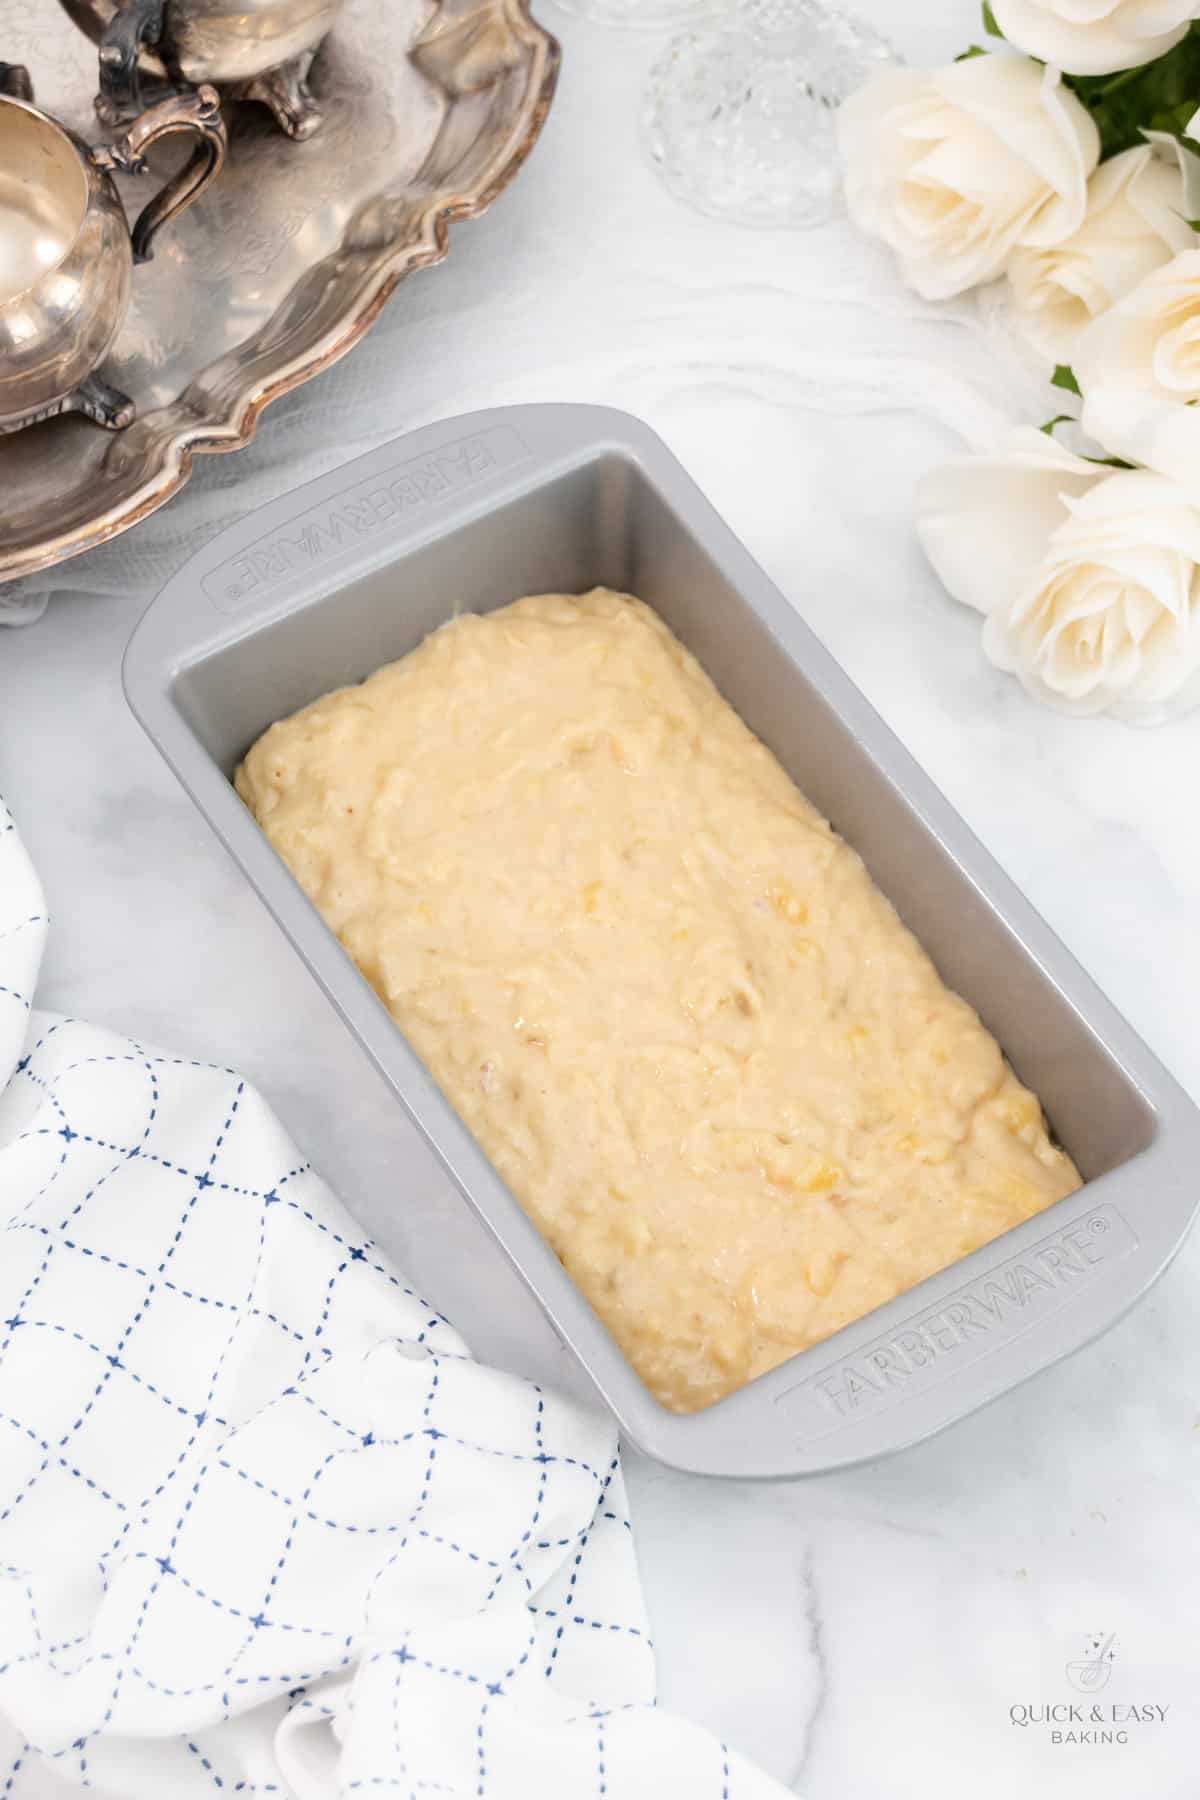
pixel 265 1527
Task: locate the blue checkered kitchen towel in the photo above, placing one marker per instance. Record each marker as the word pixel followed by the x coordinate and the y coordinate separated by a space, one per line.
pixel 265 1527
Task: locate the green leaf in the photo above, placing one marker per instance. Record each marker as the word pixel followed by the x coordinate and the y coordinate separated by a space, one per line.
pixel 975 50
pixel 1101 462
pixel 1160 96
pixel 1063 377
pixel 989 20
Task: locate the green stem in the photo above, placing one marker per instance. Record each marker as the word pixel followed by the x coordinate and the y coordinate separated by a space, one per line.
pixel 1124 79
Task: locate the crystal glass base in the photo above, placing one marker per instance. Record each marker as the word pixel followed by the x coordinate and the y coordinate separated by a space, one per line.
pixel 645 15
pixel 739 117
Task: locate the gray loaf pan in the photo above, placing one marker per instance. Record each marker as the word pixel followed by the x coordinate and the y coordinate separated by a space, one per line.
pixel 321 587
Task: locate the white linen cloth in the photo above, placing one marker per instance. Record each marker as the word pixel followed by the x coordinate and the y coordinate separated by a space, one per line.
pixel 265 1527
pixel 853 347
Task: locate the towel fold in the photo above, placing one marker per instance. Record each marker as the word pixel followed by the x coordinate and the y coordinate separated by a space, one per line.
pixel 265 1526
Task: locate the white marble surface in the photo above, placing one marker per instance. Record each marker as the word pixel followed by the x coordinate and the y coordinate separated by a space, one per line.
pixel 863 1634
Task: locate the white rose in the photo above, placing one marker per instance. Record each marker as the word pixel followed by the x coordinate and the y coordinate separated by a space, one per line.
pixel 1094 37
pixel 1089 581
pixel 1139 368
pixel 954 168
pixel 1133 225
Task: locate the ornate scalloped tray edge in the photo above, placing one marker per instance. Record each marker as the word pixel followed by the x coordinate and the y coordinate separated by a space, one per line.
pixel 431 109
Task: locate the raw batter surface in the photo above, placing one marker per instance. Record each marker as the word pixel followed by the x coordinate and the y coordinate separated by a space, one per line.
pixel 691 1034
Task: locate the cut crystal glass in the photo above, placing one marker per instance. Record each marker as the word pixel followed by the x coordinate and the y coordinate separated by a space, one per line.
pixel 739 116
pixel 646 15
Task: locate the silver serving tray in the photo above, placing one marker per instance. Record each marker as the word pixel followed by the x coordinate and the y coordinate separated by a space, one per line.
pixel 280 268
pixel 327 583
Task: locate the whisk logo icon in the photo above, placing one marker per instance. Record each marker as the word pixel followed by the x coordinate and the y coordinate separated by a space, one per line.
pixel 1090 1672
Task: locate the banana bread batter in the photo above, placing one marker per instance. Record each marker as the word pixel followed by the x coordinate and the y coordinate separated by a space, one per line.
pixel 695 1039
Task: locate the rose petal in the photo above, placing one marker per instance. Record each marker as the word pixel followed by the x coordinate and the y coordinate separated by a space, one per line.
pixel 1094 37
pixel 1121 344
pixel 1137 426
pixel 1090 579
pixel 984 522
pixel 1132 227
pixel 1041 124
pixel 955 167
